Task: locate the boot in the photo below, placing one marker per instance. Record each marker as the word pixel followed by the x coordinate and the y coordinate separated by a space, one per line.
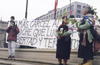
pixel 89 62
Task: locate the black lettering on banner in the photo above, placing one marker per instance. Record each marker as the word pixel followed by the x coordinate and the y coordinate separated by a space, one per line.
pixel 45 39
pixel 43 32
pixel 38 33
pixel 40 40
pixel 33 41
pixel 35 32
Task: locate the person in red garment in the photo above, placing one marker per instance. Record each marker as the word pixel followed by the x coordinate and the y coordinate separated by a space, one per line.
pixel 12 31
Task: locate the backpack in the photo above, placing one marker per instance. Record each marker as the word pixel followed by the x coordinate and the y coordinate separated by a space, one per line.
pixel 95 31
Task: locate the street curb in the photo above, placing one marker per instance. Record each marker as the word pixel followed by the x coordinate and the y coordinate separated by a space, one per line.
pixel 32 61
pixel 5 63
pixel 32 50
pixel 37 50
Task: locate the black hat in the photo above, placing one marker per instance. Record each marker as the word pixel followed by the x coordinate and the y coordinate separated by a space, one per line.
pixel 12 17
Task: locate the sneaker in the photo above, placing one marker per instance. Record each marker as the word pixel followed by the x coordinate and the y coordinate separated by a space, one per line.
pixel 12 57
pixel 9 57
pixel 81 64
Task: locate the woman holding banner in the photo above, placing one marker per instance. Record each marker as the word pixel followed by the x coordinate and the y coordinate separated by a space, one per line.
pixel 85 50
pixel 64 41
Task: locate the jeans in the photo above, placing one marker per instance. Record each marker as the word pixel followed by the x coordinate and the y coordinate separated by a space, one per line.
pixel 11 48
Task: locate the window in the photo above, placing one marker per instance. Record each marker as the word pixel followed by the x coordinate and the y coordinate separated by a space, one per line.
pixel 51 15
pixel 72 12
pixel 79 6
pixel 64 10
pixel 47 17
pixel 79 11
pixel 60 12
pixel 1 31
pixel 44 18
pixel 57 12
pixel 57 16
pixel 78 16
pixel 68 8
pixel 84 6
pixel 72 7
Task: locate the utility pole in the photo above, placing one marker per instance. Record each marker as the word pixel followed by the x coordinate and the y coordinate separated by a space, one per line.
pixel 26 9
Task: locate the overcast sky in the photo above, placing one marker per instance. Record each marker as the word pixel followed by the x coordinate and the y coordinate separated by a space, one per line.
pixel 36 7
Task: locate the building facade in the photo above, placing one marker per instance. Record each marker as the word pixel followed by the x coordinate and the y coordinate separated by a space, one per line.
pixel 3 26
pixel 76 10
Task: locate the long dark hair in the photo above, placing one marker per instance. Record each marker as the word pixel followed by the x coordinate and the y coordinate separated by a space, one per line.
pixel 90 10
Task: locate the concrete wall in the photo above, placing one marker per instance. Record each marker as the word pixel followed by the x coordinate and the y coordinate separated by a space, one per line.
pixel 3 27
pixel 44 56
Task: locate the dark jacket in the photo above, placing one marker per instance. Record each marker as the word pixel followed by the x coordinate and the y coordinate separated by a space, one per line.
pixel 12 33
